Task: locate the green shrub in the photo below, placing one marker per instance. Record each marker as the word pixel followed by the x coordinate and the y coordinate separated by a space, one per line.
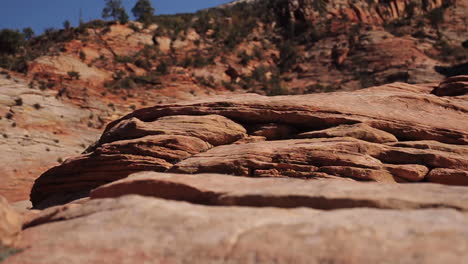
pixel 257 53
pixel 244 58
pixel 259 74
pixel 73 75
pixel 275 87
pixel 114 9
pixel 144 64
pixel 28 33
pixel 82 56
pixel 199 61
pixel 66 25
pixel 436 16
pixel 162 68
pixel 124 59
pixel 288 56
pixel 143 11
pixel 11 41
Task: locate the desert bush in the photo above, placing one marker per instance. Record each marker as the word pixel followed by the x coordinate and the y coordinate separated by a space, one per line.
pixel 275 87
pixel 436 16
pixel 28 33
pixel 144 64
pixel 173 23
pixel 229 86
pixel 259 74
pixel 258 53
pixel 66 25
pixel 244 58
pixel 288 56
pixel 124 59
pixel 163 68
pixel 199 60
pixel 73 75
pixel 11 41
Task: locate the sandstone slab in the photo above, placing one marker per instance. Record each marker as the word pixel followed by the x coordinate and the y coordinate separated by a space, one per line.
pixel 146 230
pixel 449 176
pixel 392 133
pixel 218 189
pixel 453 86
pixel 359 131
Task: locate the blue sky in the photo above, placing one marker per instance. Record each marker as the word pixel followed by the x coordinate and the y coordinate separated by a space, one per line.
pixel 41 14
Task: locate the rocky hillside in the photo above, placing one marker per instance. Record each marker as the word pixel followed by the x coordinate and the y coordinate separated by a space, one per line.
pixel 266 47
pixel 101 70
pixel 138 143
pixel 319 178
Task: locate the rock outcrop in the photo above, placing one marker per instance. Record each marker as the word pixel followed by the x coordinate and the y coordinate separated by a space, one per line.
pixel 454 86
pixel 252 179
pixel 139 229
pixel 392 133
pixel 223 190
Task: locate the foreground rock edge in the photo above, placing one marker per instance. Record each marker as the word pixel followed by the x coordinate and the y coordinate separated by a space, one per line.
pixel 178 232
pixel 225 190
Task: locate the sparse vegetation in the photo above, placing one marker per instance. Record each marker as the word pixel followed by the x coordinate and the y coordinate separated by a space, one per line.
pixel 162 68
pixel 436 16
pixel 244 58
pixel 19 101
pixel 124 59
pixel 143 11
pixel 66 25
pixel 82 55
pixel 114 9
pixel 288 56
pixel 11 41
pixel 28 33
pixel 74 75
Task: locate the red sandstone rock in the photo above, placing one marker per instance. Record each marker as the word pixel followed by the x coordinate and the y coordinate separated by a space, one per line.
pixel 453 86
pixel 359 131
pixel 203 137
pixel 217 189
pixel 448 176
pixel 146 230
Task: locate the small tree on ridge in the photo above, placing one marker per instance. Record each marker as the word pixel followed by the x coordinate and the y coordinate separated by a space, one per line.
pixel 143 11
pixel 114 9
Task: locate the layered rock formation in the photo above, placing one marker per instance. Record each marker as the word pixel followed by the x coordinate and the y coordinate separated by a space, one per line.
pixel 392 133
pixel 252 179
pixel 157 230
pixel 336 45
pixel 309 45
pixel 41 127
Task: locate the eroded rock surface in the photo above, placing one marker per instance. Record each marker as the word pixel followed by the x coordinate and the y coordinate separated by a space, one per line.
pixel 146 230
pixel 223 190
pixel 392 133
